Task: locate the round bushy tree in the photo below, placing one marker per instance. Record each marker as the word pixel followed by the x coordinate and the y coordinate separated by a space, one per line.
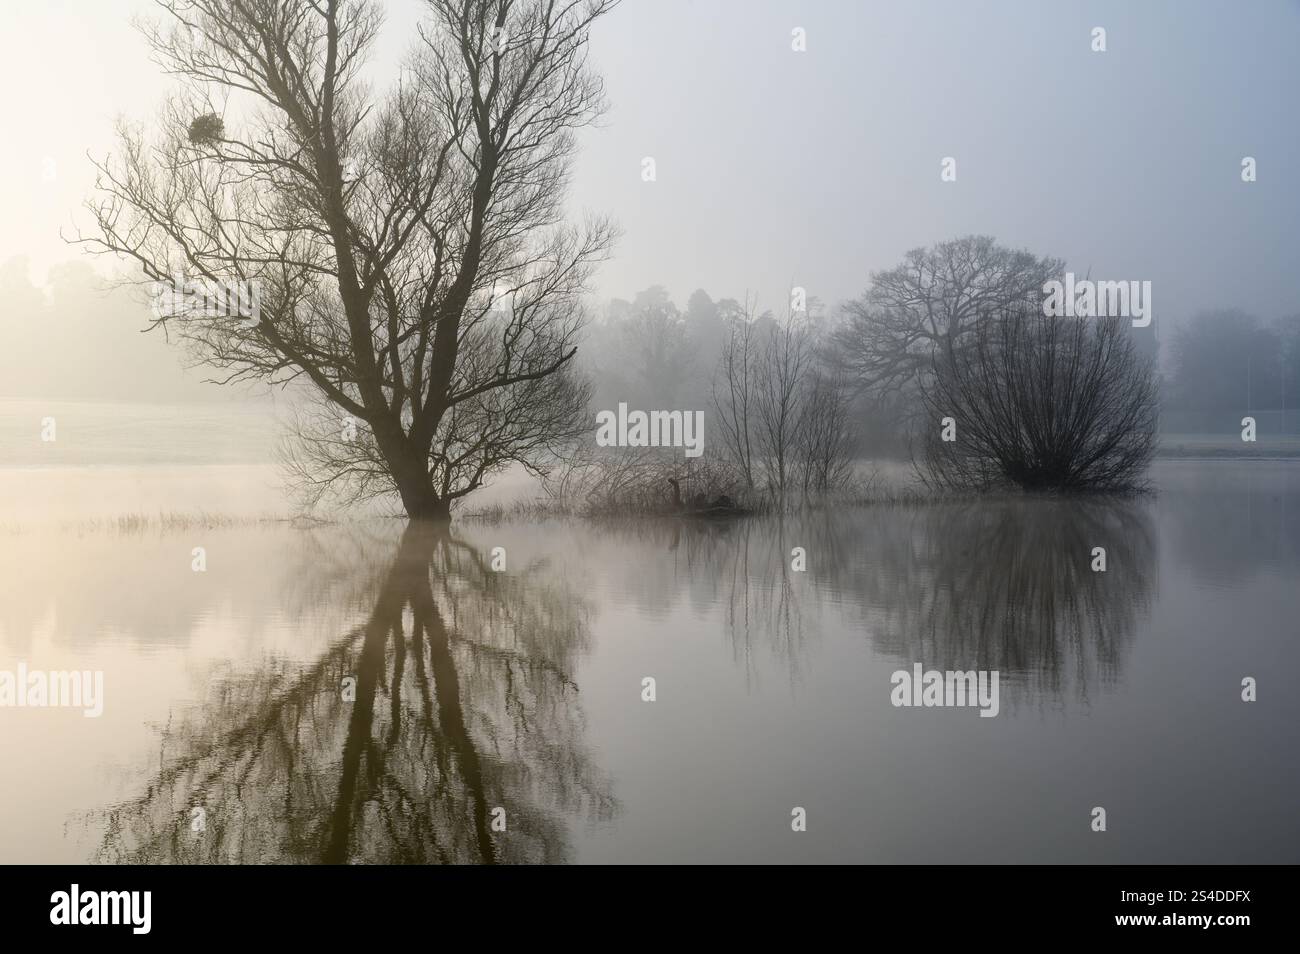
pixel 1054 404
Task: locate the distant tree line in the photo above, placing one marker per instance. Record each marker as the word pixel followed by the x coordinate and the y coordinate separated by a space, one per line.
pixel 1229 360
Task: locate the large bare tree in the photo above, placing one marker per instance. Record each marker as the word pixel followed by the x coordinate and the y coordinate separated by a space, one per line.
pixel 409 251
pixel 929 303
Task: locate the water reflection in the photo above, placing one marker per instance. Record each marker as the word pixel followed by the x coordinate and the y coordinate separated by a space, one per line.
pixel 741 569
pixel 1002 584
pixel 465 690
pixel 1230 524
pixel 464 704
pixel 1010 585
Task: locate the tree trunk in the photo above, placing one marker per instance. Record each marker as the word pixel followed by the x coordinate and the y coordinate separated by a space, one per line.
pixel 427 507
pixel 415 487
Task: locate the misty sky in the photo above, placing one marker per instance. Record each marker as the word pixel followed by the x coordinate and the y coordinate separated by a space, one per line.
pixel 778 168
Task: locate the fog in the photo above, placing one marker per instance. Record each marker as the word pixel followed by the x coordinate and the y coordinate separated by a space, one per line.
pixel 774 168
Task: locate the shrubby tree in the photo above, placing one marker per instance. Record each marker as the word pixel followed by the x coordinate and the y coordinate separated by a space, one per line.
pixel 1043 404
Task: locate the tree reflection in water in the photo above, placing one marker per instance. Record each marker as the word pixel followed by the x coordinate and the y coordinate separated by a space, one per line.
pixel 463 704
pixel 998 583
pixel 1009 585
pixel 465 701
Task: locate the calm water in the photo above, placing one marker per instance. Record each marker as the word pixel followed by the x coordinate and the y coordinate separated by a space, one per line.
pixel 475 690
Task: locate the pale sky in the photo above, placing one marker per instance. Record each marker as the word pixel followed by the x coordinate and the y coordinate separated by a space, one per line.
pixel 813 168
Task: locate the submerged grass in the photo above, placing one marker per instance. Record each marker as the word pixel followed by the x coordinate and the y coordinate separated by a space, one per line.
pixel 867 493
pixel 129 524
pixel 135 523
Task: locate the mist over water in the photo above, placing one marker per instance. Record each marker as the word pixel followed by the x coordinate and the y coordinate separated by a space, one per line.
pixel 520 690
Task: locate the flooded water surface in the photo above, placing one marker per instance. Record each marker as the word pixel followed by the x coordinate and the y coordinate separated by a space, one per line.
pixel 365 692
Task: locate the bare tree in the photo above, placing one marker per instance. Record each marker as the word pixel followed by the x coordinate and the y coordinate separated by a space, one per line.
pixel 735 396
pixel 1043 404
pixel 783 418
pixel 888 336
pixel 824 442
pixel 384 234
pixel 784 363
